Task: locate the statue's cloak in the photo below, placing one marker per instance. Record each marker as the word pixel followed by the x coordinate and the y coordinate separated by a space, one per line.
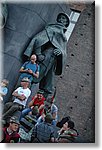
pixel 53 33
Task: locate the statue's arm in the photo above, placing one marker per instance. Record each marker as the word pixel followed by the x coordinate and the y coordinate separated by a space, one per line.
pixel 28 52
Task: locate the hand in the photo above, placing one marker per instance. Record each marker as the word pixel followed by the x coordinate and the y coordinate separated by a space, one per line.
pixel 57 52
pixel 41 57
pixel 32 107
pixel 30 71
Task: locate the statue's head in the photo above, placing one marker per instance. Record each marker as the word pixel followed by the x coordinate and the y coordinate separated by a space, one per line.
pixel 63 18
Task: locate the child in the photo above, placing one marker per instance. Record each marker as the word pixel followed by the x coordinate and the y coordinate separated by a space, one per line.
pixel 3 88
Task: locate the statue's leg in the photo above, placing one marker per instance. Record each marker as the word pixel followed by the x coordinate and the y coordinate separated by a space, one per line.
pixel 46 83
pixel 41 73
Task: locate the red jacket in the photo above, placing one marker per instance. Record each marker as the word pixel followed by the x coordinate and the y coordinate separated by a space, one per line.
pixel 12 138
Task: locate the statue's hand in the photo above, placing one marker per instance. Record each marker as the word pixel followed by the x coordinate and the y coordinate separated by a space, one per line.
pixel 57 52
pixel 41 57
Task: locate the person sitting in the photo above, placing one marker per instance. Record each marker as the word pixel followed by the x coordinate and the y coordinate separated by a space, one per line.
pixel 27 123
pixel 10 133
pixel 37 100
pixel 44 132
pixel 3 88
pixel 50 107
pixel 30 69
pixel 67 133
pixel 62 121
pixel 21 95
pixel 53 109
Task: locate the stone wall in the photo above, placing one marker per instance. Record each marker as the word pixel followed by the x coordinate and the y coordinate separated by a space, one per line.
pixel 76 86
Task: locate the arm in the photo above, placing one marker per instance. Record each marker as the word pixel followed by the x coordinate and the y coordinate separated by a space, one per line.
pixel 54 115
pixel 21 97
pixel 32 73
pixel 3 91
pixel 36 74
pixel 31 103
pixel 22 70
pixel 41 107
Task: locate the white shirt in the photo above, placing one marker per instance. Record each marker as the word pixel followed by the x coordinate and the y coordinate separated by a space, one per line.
pixel 25 92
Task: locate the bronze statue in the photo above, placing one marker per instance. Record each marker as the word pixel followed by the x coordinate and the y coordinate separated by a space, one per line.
pixel 50 47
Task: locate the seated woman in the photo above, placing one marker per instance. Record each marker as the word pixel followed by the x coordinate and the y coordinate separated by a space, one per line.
pixel 67 134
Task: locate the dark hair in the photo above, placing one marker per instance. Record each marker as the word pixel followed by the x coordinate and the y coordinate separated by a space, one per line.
pixel 71 124
pixel 63 121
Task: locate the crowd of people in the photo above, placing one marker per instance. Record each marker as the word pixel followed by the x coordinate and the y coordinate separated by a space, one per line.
pixel 36 121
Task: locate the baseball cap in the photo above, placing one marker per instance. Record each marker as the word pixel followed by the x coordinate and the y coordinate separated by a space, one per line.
pixel 14 120
pixel 25 79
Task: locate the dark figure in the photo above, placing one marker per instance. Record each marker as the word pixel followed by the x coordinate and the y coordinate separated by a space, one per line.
pixel 50 48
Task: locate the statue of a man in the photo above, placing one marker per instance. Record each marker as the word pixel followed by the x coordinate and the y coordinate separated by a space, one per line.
pixel 50 47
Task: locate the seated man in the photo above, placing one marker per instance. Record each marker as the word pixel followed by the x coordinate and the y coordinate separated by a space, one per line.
pixel 44 132
pixel 30 69
pixel 37 100
pixel 50 107
pixel 27 124
pixel 21 95
pixel 53 109
pixel 10 133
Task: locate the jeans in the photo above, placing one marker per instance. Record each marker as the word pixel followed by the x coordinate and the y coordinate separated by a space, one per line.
pixel 25 112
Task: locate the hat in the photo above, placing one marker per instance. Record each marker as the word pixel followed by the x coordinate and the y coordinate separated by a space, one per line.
pixel 35 110
pixel 48 118
pixel 67 17
pixel 25 80
pixel 14 120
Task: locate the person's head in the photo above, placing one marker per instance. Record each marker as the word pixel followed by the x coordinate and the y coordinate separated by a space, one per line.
pixel 68 125
pixel 63 18
pixel 35 111
pixel 63 121
pixel 40 95
pixel 33 58
pixel 71 124
pixel 25 82
pixel 14 124
pixel 65 125
pixel 4 82
pixel 48 118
